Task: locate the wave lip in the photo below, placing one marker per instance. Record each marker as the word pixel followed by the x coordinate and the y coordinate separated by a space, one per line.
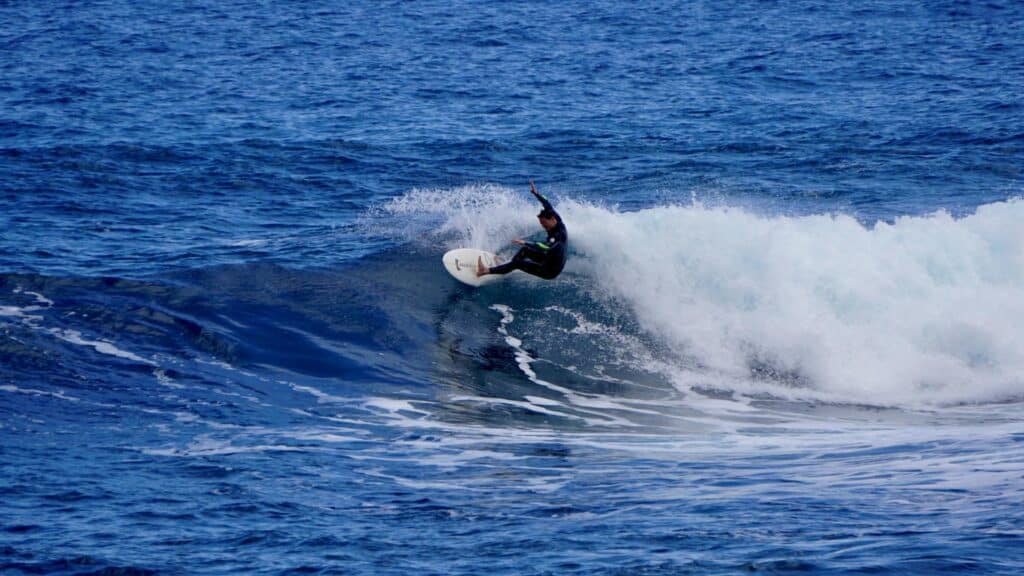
pixel 921 311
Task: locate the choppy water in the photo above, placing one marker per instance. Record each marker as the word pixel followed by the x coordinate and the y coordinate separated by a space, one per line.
pixel 788 338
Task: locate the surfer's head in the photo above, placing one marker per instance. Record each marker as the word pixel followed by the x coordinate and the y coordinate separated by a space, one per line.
pixel 547 219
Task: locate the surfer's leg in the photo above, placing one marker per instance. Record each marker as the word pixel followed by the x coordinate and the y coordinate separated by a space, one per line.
pixel 531 267
pixel 515 264
pixel 503 269
pixel 521 262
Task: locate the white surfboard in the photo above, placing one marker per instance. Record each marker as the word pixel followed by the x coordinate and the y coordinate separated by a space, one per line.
pixel 461 264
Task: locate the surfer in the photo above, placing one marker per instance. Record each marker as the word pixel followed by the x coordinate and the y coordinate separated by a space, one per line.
pixel 544 259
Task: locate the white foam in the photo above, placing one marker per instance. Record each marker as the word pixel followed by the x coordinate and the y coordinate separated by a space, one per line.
pixel 20 312
pixel 394 406
pixel 161 376
pixel 246 243
pixel 927 310
pixel 40 299
pixel 206 446
pixel 545 407
pixel 595 405
pixel 24 312
pixel 922 311
pixel 101 346
pixel 34 392
pixel 481 216
pixel 320 395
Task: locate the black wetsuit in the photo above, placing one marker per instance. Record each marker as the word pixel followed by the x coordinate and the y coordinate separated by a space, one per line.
pixel 545 259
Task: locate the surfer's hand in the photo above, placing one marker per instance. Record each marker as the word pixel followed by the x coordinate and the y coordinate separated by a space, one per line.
pixel 519 241
pixel 533 189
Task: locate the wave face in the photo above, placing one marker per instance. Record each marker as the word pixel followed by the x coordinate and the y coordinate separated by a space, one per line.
pixel 923 310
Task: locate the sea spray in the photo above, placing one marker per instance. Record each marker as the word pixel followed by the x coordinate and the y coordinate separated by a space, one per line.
pixel 484 216
pixel 925 310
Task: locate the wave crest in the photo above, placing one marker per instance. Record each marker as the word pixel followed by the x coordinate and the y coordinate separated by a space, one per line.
pixel 924 310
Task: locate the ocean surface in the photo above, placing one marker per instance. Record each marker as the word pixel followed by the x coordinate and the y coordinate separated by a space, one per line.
pixel 789 337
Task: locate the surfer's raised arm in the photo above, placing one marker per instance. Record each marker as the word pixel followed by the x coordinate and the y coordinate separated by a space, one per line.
pixel 533 190
pixel 544 201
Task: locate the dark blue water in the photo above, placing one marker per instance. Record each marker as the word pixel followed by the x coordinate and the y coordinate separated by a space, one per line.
pixel 788 338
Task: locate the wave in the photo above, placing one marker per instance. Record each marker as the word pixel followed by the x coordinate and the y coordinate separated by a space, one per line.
pixel 661 312
pixel 921 311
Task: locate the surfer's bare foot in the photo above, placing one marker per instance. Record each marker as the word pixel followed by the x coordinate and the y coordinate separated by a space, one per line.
pixel 481 270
